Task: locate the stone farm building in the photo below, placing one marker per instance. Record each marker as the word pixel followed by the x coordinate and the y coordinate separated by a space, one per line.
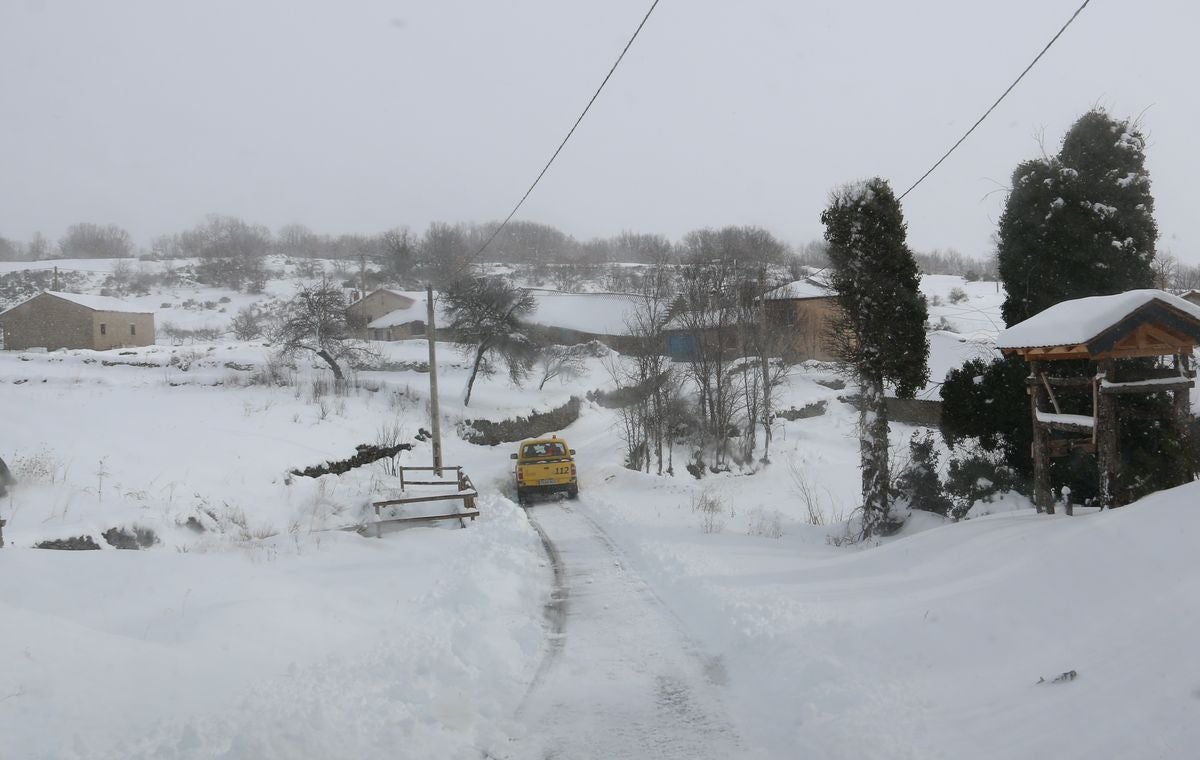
pixel 800 314
pixel 53 320
pixel 394 315
pixel 376 304
pixel 804 310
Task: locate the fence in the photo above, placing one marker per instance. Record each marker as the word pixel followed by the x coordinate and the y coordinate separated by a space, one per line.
pixel 464 492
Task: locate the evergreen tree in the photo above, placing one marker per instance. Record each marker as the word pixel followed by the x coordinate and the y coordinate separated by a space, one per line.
pixel 881 329
pixel 919 484
pixel 986 403
pixel 1080 223
pixel 1076 224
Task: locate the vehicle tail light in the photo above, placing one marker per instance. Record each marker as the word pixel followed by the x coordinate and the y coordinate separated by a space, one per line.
pixel 572 470
pixel 520 474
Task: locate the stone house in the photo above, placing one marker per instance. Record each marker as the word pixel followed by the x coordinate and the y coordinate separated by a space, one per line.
pixel 373 306
pixel 804 311
pixel 400 324
pixel 54 320
pixel 799 318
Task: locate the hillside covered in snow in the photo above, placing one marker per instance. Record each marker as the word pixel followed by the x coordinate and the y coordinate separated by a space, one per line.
pixel 657 616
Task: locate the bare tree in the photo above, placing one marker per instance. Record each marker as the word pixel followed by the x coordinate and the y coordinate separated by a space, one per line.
pixel 1166 270
pixel 399 251
pixel 231 250
pixel 315 321
pixel 645 379
pixel 771 348
pixel 1187 277
pixel 486 316
pixel 8 250
pixel 38 248
pixel 707 313
pixel 298 240
pixel 563 362
pixel 94 241
pixel 445 253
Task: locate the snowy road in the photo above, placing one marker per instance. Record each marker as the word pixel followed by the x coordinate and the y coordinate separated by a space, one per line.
pixel 621 679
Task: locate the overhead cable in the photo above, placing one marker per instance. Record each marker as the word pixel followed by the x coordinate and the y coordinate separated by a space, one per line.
pixel 1002 96
pixel 562 144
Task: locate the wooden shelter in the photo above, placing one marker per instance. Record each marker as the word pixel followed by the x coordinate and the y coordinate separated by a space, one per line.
pixel 1103 330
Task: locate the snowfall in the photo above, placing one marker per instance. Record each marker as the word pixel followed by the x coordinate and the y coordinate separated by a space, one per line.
pixel 256 623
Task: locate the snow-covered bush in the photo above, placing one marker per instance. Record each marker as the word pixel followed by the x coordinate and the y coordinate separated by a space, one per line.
pixel 919 484
pixel 976 476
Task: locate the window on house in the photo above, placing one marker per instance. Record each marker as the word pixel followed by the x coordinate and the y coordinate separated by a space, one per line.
pixel 132 329
pixel 103 329
pixel 417 328
pixel 791 317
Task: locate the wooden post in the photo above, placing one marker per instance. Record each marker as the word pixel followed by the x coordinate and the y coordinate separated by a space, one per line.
pixel 1107 442
pixel 1183 410
pixel 435 412
pixel 1042 499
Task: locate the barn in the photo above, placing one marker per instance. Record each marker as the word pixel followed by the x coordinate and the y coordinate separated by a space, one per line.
pixel 54 320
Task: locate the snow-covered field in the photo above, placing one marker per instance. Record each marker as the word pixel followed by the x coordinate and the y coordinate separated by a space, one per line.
pixel 254 628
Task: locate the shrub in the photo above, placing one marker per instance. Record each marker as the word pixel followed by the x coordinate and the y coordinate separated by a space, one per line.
pixel 178 335
pixel 957 295
pixel 976 476
pixel 247 324
pixel 712 510
pixel 488 433
pixel 918 484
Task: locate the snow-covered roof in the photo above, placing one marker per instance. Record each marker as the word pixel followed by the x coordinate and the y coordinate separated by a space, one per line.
pixel 800 289
pixel 596 313
pixel 418 312
pixel 394 292
pixel 1078 321
pixel 99 303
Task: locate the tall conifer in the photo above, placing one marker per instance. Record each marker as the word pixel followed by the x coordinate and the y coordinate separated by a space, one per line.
pixel 881 331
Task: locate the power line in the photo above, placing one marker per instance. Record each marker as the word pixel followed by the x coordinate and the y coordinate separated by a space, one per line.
pixel 563 144
pixel 1002 96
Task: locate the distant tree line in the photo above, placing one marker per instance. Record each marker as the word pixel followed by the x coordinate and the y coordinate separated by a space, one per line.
pixel 233 249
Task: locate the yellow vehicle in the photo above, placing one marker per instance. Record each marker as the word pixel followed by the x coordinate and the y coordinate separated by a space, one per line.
pixel 545 466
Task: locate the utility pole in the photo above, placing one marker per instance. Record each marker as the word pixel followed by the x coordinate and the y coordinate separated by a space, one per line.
pixel 435 413
pixel 362 274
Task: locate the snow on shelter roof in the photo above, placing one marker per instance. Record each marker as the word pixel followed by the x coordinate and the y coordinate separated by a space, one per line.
pixel 99 303
pixel 1080 320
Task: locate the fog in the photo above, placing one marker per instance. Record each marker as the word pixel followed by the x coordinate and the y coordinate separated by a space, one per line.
pixel 359 116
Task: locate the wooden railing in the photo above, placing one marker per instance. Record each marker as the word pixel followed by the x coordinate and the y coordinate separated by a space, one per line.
pixel 464 491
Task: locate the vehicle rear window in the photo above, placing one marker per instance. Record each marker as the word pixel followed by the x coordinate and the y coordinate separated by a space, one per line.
pixel 544 450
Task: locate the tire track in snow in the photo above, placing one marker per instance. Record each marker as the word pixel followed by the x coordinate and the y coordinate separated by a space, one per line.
pixel 620 677
pixel 555 610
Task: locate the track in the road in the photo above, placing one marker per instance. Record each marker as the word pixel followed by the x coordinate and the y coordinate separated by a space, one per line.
pixel 620 679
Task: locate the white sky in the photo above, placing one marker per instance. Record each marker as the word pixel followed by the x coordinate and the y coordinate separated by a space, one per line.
pixel 358 116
